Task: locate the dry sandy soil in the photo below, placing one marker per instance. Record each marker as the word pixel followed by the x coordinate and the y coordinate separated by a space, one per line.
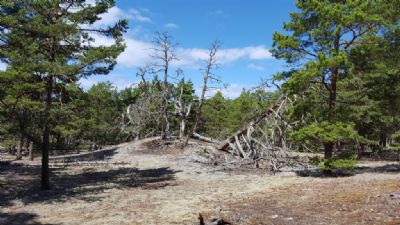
pixel 139 186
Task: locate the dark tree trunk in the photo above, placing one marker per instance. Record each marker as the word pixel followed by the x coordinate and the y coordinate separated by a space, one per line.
pixel 333 95
pixel 328 150
pixel 46 136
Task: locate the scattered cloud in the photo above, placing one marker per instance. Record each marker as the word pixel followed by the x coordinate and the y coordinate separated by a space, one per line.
pixel 138 16
pixel 171 26
pixel 115 14
pixel 251 52
pixel 191 57
pixel 217 12
pixel 111 16
pixel 255 67
pixel 194 56
pixel 138 53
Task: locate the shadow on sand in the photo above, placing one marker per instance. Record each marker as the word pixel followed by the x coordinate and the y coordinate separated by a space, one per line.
pixel 19 219
pixel 85 184
pixel 386 169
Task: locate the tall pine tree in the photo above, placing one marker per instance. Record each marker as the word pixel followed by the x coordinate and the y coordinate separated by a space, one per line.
pixel 51 42
pixel 317 44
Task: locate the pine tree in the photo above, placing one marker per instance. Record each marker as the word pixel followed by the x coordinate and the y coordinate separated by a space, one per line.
pixel 51 41
pixel 321 36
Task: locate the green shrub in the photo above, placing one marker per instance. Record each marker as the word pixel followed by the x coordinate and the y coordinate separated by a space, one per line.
pixel 346 164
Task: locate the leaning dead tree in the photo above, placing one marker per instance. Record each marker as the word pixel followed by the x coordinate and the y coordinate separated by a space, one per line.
pixel 270 111
pixel 264 138
pixel 208 75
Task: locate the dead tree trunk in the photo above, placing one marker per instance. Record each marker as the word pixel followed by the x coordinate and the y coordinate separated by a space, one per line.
pixel 203 138
pixel 182 129
pixel 211 64
pixel 164 53
pixel 225 144
pixel 164 128
pixel 182 111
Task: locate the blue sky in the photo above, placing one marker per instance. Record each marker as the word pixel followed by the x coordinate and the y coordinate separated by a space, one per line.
pixel 245 29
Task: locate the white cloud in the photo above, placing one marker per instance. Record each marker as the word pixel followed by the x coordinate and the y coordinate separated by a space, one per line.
pixel 251 52
pixel 115 14
pixel 171 26
pixel 3 66
pixel 255 67
pixel 191 57
pixel 138 16
pixel 112 16
pixel 138 53
pixel 194 56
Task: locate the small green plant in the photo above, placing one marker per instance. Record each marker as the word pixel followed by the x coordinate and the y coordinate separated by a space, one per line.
pixel 343 164
pixel 346 164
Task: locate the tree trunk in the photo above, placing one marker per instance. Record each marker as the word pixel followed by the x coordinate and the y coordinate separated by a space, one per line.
pixel 164 129
pixel 328 147
pixel 199 108
pixel 206 139
pixel 211 62
pixel 333 94
pixel 19 148
pixel 31 156
pixel 182 130
pixel 46 136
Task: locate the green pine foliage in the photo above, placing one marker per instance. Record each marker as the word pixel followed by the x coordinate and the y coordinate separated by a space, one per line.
pixel 343 57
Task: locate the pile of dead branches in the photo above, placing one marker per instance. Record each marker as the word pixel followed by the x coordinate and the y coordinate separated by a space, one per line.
pixel 264 139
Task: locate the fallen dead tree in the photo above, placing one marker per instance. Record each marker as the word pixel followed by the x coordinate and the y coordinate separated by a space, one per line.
pixel 264 140
pixel 273 109
pixel 101 154
pixel 206 139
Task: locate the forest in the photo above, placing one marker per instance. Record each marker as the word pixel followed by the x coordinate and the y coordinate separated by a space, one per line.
pixel 332 114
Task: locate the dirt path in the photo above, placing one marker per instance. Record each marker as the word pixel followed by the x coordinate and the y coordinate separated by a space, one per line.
pixel 143 188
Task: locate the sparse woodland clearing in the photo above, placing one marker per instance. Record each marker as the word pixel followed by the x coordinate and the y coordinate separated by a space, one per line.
pixel 301 127
pixel 140 185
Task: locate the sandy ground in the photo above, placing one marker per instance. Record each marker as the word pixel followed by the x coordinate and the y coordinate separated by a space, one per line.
pixel 141 187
